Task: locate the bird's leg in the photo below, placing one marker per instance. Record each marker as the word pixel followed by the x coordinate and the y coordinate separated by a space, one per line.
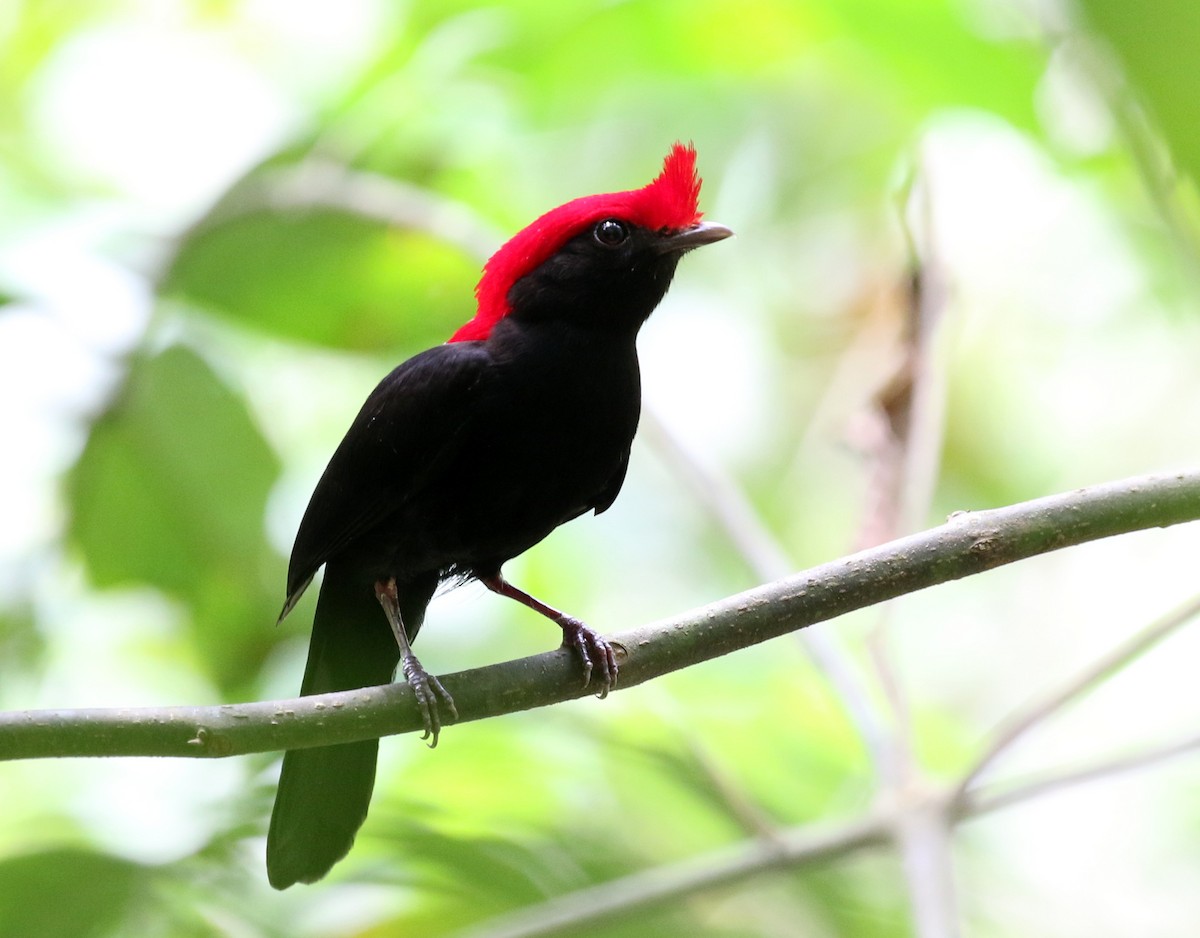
pixel 591 647
pixel 426 687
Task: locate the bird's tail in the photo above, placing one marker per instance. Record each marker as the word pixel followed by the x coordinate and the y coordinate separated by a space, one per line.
pixel 324 792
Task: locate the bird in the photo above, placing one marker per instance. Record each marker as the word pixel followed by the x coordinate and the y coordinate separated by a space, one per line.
pixel 465 456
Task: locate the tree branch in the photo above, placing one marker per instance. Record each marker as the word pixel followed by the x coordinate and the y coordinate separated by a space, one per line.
pixel 969 543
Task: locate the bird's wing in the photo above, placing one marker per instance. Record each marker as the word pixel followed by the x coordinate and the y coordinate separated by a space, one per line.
pixel 404 430
pixel 611 490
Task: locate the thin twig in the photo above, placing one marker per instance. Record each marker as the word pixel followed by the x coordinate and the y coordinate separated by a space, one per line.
pixel 631 894
pixel 322 183
pixel 1002 795
pixel 922 832
pixel 1020 723
pixel 1147 149
pixel 722 499
pixel 733 796
pixel 915 414
pixel 766 558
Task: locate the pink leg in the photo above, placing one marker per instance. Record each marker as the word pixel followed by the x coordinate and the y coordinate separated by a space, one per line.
pixel 426 687
pixel 586 642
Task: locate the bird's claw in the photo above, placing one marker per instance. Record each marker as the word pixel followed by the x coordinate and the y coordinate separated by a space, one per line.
pixel 595 653
pixel 427 689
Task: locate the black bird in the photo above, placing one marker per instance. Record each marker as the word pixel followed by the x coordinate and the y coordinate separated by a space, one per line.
pixel 465 456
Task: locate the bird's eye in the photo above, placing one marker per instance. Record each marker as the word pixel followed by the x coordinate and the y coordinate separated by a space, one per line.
pixel 611 233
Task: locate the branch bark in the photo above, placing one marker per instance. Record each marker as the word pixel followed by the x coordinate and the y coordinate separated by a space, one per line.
pixel 969 543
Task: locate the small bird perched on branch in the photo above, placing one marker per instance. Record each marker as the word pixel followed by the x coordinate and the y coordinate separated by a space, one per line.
pixel 467 455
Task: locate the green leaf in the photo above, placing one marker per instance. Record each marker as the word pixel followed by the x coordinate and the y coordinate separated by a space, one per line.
pixel 328 278
pixel 1156 44
pixel 22 645
pixel 65 892
pixel 170 491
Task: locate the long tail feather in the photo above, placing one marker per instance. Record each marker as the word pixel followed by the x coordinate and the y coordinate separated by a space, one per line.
pixel 324 792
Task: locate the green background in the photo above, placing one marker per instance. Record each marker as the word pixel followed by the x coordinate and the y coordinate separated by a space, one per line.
pixel 224 221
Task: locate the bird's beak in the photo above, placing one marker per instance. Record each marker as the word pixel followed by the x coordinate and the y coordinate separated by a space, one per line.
pixel 704 233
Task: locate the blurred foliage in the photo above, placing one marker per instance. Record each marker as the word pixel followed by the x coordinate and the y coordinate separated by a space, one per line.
pixel 1155 45
pixel 187 341
pixel 325 277
pixel 170 491
pixel 104 892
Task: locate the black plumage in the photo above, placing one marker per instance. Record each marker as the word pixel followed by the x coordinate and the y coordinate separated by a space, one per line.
pixel 463 457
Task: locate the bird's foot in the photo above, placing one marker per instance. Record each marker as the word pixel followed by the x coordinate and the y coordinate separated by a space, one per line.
pixel 427 690
pixel 595 653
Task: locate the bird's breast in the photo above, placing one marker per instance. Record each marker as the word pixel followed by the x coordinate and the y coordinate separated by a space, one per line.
pixel 548 438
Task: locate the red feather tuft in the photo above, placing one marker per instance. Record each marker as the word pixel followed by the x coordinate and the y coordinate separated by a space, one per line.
pixel 669 203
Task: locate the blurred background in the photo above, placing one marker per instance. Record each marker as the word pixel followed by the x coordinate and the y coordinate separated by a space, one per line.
pixel 966 274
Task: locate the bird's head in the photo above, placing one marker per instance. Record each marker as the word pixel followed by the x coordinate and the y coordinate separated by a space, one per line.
pixel 598 259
